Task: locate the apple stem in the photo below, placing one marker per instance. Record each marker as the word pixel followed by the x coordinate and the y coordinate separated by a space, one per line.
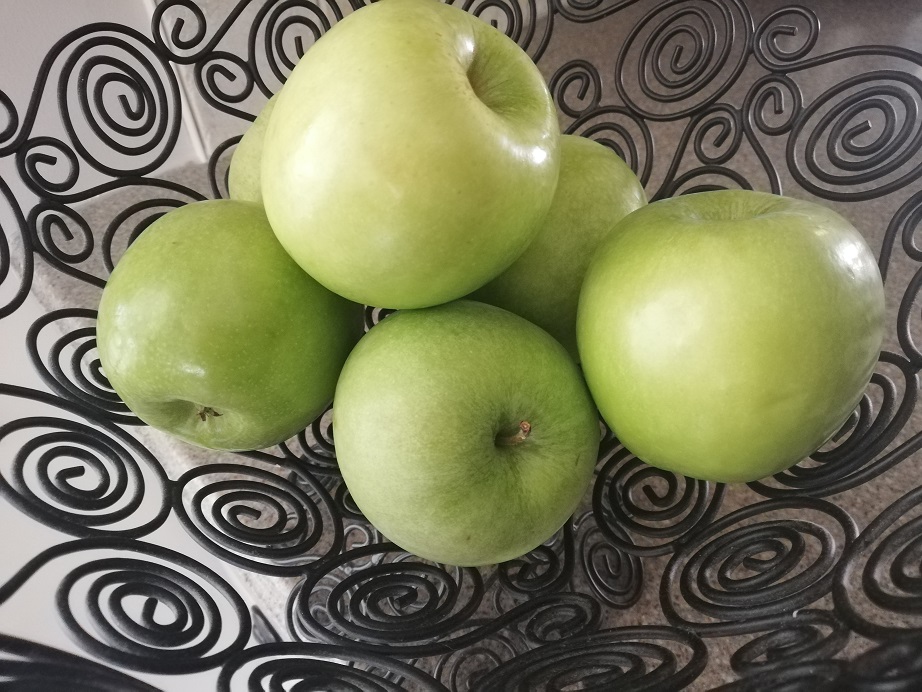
pixel 515 439
pixel 206 411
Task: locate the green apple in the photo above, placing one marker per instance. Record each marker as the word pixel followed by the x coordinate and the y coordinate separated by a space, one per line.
pixel 596 189
pixel 411 155
pixel 464 433
pixel 208 330
pixel 727 335
pixel 244 180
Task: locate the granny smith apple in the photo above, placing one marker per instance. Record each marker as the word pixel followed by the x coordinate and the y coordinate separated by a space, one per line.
pixel 596 189
pixel 244 179
pixel 464 433
pixel 411 155
pixel 208 330
pixel 726 335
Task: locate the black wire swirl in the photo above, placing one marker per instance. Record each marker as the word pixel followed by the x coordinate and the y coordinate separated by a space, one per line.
pixel 104 64
pixel 878 588
pixel 681 57
pixel 297 666
pixel 892 667
pixel 10 116
pixel 145 202
pixel 464 669
pixel 576 87
pixel 586 11
pixel 374 315
pixel 27 665
pixel 389 599
pixel 555 618
pixel 716 134
pixel 63 238
pixel 258 519
pixel 615 576
pixel 622 132
pixel 543 570
pixel 784 96
pixel 224 79
pixel 278 35
pixel 635 658
pixel 180 43
pixel 527 22
pixel 646 511
pixel 785 36
pixel 14 233
pixel 264 631
pixel 191 619
pixel 771 107
pixel 345 504
pixel 313 447
pixel 903 226
pixel 399 605
pixel 908 216
pixel 288 28
pixel 184 644
pixel 746 568
pixel 80 478
pixel 81 379
pixel 860 139
pixel 704 178
pixel 48 166
pixel 862 448
pixel 814 676
pixel 808 635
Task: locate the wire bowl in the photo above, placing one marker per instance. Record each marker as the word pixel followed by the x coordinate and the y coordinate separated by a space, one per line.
pixel 807 580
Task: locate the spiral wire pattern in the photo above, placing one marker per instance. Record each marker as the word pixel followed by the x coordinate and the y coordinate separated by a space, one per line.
pixel 694 95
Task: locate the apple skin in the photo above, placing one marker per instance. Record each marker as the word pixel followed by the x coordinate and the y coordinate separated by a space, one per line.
pixel 206 313
pixel 727 335
pixel 411 155
pixel 596 189
pixel 418 410
pixel 244 179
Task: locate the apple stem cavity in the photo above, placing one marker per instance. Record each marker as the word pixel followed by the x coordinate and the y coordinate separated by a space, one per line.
pixel 517 438
pixel 205 412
